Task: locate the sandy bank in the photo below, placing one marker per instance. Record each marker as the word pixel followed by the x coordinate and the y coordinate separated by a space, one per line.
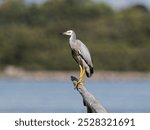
pixel 12 72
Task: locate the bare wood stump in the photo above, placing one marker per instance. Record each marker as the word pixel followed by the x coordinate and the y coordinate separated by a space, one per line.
pixel 93 106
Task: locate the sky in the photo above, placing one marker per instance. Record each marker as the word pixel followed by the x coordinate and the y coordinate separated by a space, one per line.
pixel 119 4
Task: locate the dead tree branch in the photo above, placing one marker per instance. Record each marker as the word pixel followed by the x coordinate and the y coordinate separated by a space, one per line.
pixel 93 106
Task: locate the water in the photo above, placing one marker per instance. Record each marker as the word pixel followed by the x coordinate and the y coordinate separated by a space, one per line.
pixel 59 96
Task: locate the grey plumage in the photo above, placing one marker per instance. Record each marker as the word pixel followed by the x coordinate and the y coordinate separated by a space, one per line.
pixel 80 53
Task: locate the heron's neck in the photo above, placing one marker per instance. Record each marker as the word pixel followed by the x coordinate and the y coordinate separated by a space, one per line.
pixel 73 37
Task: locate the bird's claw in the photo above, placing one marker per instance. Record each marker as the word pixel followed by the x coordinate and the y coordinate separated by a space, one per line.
pixel 78 84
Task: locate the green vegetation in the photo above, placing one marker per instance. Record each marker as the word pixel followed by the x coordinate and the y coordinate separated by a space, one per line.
pixel 29 35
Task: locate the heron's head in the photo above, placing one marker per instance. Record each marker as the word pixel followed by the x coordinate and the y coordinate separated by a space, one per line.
pixel 69 33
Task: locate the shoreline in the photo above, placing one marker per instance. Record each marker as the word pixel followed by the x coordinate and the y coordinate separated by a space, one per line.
pixel 15 73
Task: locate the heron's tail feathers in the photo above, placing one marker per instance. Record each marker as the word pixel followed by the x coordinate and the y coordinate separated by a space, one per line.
pixel 89 71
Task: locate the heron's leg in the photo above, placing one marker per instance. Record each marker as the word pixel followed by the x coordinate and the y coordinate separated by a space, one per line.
pixel 82 74
pixel 82 71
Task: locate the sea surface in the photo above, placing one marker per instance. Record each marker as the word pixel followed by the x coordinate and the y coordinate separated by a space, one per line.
pixel 18 95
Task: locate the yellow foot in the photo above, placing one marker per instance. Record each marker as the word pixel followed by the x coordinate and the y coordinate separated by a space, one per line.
pixel 77 84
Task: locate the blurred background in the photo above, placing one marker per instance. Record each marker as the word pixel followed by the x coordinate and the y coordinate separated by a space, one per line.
pixel 117 34
pixel 118 38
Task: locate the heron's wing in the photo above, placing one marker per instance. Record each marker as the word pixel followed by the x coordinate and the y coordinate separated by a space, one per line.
pixel 84 53
pixel 75 54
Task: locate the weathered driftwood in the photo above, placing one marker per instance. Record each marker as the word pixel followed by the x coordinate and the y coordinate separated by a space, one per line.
pixel 93 106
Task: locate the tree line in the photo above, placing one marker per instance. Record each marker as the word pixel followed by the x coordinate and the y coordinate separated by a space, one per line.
pixel 117 40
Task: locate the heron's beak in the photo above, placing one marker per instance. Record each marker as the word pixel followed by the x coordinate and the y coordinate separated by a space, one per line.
pixel 64 33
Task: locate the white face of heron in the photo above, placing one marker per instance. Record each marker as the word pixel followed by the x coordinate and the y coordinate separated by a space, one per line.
pixel 69 33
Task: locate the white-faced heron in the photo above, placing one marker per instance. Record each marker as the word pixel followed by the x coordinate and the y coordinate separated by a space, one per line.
pixel 81 55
